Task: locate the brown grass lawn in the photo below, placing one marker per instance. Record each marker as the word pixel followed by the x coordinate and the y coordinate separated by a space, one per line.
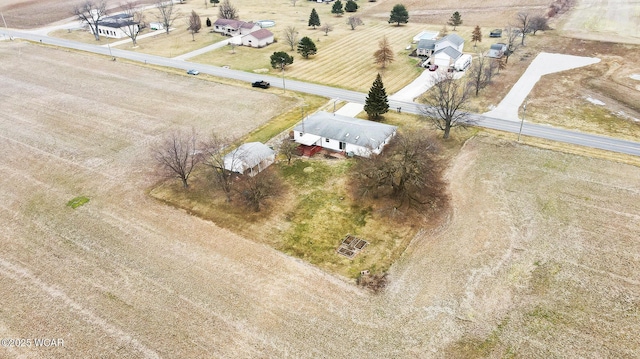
pixel 315 211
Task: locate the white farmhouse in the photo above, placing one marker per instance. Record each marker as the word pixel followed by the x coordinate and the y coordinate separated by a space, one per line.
pixel 343 134
pixel 447 50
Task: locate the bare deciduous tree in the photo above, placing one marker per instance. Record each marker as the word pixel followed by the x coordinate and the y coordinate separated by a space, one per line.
pixel 384 55
pixel 167 14
pixel 444 31
pixel 479 75
pixel 255 190
pixel 524 22
pixel 512 35
pixel 538 23
pixel 136 17
pixel 288 148
pixel 227 11
pixel 214 150
pixel 293 2
pixel 500 64
pixel 194 24
pixel 91 12
pixel 177 155
pixel 445 102
pixel 326 28
pixel 291 36
pixel 408 171
pixel 354 21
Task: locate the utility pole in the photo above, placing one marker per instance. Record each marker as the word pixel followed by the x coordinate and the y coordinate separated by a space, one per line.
pixel 524 112
pixel 284 90
pixel 109 46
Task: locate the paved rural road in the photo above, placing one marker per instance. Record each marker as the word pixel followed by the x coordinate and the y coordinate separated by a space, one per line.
pixel 529 129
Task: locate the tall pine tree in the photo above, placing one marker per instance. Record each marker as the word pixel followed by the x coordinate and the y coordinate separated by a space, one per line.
pixel 376 103
pixel 399 14
pixel 337 8
pixel 307 47
pixel 455 20
pixel 314 19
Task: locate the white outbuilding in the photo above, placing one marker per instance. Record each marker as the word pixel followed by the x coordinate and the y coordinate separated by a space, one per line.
pixel 250 158
pixel 258 38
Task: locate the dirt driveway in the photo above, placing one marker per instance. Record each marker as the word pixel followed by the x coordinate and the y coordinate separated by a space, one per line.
pixel 539 257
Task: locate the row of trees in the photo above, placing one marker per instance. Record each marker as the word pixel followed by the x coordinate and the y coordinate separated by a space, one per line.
pixel 314 21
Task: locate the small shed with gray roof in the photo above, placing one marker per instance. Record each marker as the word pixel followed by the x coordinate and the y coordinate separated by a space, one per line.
pixel 343 134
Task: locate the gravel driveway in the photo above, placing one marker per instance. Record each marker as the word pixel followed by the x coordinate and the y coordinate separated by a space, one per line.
pixel 543 64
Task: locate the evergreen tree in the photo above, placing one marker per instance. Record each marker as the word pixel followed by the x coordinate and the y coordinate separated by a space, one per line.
pixel 306 47
pixel 376 103
pixel 399 14
pixel 476 35
pixel 337 8
pixel 280 59
pixel 455 20
pixel 350 6
pixel 314 19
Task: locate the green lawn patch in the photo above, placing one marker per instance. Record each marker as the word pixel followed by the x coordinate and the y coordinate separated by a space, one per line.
pixel 77 202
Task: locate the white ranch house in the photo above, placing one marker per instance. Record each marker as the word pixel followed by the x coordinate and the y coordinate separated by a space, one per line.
pixel 231 27
pixel 343 134
pixel 117 26
pixel 250 158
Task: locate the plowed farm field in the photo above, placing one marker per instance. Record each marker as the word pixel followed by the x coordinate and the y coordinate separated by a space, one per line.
pixel 540 256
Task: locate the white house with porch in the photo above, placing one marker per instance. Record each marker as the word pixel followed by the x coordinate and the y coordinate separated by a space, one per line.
pixel 342 134
pixel 250 158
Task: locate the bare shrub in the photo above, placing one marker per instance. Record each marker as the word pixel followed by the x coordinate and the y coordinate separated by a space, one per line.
pixel 374 282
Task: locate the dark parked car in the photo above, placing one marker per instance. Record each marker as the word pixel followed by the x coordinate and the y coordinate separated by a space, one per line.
pixel 261 84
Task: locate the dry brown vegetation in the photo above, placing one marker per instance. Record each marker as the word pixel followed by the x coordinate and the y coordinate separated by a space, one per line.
pixel 539 256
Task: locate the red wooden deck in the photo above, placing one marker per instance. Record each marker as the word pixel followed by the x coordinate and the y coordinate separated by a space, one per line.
pixel 309 151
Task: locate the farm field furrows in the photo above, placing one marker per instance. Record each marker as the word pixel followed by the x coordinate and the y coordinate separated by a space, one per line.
pixel 538 259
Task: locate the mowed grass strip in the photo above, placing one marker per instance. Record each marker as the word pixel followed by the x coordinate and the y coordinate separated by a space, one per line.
pixel 344 58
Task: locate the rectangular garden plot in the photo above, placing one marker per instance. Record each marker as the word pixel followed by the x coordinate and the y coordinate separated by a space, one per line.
pixel 351 246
